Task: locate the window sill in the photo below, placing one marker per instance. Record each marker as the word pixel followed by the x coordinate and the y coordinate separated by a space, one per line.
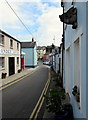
pixel 2 69
pixel 2 45
pixel 11 47
pixel 78 103
pixel 17 65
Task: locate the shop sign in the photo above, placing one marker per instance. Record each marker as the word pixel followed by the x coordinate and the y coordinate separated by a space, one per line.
pixel 7 52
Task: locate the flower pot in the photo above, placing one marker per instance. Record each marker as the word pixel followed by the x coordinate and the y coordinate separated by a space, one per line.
pixel 19 70
pixel 77 98
pixel 62 116
pixel 4 75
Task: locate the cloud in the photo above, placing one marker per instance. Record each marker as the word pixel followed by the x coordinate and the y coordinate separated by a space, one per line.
pixel 37 1
pixel 41 18
pixel 50 26
pixel 6 14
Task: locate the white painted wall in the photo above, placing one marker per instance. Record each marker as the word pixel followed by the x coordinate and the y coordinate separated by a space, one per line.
pixel 57 62
pixel 75 60
pixel 68 71
pixel 86 77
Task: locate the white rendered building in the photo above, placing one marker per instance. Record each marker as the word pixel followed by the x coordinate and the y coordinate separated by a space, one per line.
pixel 76 58
pixel 10 57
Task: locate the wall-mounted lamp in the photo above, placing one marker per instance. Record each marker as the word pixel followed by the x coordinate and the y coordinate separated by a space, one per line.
pixel 70 17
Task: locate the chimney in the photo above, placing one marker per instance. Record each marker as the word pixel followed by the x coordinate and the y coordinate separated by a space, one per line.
pixel 32 39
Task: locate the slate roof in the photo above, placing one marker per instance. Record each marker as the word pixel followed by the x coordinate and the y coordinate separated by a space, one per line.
pixel 28 44
pixel 38 48
pixel 41 47
pixel 4 33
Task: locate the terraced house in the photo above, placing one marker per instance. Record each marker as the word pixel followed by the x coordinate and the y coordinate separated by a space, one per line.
pixel 10 55
pixel 30 50
pixel 75 19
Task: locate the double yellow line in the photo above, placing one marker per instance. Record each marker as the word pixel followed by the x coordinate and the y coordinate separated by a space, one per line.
pixel 38 106
pixel 13 82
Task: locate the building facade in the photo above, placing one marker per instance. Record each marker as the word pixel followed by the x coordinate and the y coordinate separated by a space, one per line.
pixel 22 60
pixel 10 57
pixel 29 48
pixel 76 56
pixel 56 54
pixel 41 50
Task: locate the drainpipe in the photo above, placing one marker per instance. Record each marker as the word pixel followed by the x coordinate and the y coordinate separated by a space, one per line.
pixel 63 46
pixel 33 57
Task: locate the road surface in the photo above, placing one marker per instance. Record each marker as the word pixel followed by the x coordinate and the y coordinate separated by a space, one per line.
pixel 19 99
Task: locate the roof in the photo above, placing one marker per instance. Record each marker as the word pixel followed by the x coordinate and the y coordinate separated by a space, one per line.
pixel 41 47
pixel 4 33
pixel 28 44
pixel 38 48
pixel 51 46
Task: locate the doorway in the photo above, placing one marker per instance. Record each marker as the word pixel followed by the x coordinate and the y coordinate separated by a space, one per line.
pixel 11 65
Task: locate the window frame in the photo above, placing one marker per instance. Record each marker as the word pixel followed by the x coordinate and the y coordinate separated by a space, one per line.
pixel 2 62
pixel 2 41
pixel 17 60
pixel 11 43
pixel 17 46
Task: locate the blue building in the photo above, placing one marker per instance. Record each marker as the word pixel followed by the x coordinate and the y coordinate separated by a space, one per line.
pixel 30 53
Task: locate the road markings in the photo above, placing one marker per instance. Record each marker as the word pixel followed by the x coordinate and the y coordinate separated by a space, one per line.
pixel 13 82
pixel 38 106
pixel 41 101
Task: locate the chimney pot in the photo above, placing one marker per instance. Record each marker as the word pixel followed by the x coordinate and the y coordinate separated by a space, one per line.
pixel 32 39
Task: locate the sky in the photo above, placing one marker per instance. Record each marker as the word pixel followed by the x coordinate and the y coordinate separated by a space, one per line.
pixel 40 17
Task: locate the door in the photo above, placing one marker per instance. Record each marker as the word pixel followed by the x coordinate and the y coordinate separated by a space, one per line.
pixel 22 63
pixel 11 65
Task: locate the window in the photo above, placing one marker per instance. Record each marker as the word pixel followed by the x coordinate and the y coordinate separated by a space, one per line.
pixel 2 62
pixel 17 46
pixel 11 43
pixel 17 60
pixel 77 63
pixel 77 70
pixel 68 70
pixel 1 39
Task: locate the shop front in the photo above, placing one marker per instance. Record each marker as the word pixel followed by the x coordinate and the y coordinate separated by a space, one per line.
pixel 10 55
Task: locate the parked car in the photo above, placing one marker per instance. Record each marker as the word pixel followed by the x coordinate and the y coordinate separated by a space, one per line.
pixel 46 62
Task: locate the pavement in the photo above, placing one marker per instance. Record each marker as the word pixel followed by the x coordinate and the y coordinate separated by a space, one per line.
pixel 16 76
pixel 44 114
pixel 50 115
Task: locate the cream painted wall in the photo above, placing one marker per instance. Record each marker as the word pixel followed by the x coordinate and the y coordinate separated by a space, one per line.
pixel 14 53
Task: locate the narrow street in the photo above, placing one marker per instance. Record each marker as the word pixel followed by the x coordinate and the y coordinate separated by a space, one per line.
pixel 19 99
pixel 43 59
